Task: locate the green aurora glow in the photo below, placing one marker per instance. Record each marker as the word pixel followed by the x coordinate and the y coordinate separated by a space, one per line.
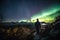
pixel 47 15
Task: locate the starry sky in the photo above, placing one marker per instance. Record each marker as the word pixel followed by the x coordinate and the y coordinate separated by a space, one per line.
pixel 14 10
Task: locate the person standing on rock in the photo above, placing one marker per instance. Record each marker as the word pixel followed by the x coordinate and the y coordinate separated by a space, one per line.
pixel 38 26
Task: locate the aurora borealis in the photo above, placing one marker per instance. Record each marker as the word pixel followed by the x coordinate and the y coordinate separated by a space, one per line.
pixel 17 10
pixel 48 15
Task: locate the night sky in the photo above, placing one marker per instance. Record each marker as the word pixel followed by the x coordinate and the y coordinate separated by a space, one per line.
pixel 15 10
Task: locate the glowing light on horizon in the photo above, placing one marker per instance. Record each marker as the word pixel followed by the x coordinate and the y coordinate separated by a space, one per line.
pixel 24 21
